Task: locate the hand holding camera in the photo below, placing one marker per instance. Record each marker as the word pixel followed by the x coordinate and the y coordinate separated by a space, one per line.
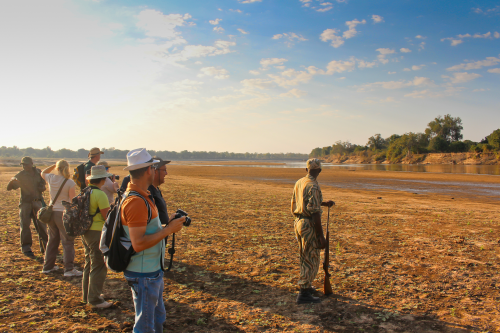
pixel 180 213
pixel 114 177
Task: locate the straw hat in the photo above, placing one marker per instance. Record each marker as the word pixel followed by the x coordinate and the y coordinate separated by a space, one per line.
pixel 95 151
pixel 106 165
pixel 98 171
pixel 139 158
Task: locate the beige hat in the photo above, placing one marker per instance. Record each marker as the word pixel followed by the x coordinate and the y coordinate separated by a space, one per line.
pixel 139 158
pixel 313 163
pixel 106 165
pixel 98 171
pixel 95 151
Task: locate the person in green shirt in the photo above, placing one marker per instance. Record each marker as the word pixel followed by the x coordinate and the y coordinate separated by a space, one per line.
pixel 95 270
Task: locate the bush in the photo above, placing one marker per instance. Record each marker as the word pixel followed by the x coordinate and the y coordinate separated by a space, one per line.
pixel 380 157
pixel 487 148
pixel 438 145
pixel 458 147
pixel 476 148
pixel 494 139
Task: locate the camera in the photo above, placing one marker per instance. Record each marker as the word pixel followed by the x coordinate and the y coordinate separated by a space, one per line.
pixel 116 177
pixel 180 213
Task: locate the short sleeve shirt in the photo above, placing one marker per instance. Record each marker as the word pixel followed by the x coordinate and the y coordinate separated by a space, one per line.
pixel 30 185
pixel 87 167
pixel 110 190
pixel 134 212
pixel 55 182
pixel 98 199
pixel 307 197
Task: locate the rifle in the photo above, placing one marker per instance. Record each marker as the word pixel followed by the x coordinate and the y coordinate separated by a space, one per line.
pixel 327 287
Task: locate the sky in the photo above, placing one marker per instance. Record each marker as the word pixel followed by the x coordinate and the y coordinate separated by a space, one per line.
pixel 243 75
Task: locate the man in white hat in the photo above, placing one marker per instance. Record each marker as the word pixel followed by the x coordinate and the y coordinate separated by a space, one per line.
pixel 145 270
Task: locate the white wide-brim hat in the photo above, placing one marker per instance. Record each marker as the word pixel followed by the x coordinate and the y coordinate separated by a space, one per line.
pixel 139 158
pixel 98 171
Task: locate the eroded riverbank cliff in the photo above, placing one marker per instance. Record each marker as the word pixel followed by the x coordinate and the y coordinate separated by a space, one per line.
pixel 433 158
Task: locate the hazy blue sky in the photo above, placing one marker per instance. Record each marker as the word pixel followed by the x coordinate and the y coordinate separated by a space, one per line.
pixel 243 75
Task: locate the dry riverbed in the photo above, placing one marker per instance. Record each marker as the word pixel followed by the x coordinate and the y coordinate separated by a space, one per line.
pixel 401 262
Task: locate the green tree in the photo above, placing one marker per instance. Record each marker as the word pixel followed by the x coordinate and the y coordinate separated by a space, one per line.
pixel 494 139
pixel 316 152
pixel 342 147
pixel 325 151
pixel 447 127
pixel 438 145
pixel 405 144
pixel 376 142
pixel 391 139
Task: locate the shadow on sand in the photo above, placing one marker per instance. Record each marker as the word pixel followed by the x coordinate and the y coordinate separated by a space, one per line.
pixel 335 313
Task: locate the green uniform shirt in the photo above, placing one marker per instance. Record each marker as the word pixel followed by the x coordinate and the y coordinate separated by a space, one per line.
pixel 87 167
pixel 31 184
pixel 307 197
pixel 97 199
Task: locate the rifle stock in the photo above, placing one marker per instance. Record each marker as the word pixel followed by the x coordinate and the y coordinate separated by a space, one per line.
pixel 327 287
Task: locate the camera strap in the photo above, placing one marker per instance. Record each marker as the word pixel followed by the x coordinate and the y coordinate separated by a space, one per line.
pixel 171 251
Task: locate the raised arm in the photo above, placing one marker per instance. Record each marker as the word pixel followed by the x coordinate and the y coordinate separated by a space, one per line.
pixel 49 169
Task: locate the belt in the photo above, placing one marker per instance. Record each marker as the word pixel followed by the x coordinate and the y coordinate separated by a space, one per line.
pixel 305 217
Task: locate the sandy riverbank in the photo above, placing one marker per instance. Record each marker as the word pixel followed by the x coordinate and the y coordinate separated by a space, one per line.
pixel 400 262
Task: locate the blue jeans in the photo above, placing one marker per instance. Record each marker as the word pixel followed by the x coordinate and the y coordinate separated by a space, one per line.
pixel 148 303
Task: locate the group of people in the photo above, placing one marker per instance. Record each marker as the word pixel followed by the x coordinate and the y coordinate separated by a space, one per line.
pixel 146 222
pixel 143 214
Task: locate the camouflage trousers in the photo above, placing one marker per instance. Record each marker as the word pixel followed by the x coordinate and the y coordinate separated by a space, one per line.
pixel 308 250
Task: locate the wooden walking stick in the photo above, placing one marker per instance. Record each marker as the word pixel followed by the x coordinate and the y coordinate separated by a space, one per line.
pixel 327 287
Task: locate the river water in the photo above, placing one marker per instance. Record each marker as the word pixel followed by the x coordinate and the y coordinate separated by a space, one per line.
pixel 436 168
pixel 468 189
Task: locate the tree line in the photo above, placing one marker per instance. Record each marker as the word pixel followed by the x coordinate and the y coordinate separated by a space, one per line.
pixel 113 153
pixel 442 135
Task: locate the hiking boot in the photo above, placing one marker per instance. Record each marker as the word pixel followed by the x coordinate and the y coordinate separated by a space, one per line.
pixel 29 254
pixel 55 268
pixel 73 272
pixel 103 305
pixel 306 297
pixel 312 290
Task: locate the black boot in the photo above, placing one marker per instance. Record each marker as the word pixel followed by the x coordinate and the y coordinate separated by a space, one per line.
pixel 312 290
pixel 306 297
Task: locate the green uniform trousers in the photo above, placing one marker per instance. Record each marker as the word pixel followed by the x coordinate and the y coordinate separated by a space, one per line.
pixel 308 250
pixel 95 270
pixel 26 215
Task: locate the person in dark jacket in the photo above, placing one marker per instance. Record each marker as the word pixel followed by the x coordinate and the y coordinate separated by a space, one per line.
pixel 32 185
